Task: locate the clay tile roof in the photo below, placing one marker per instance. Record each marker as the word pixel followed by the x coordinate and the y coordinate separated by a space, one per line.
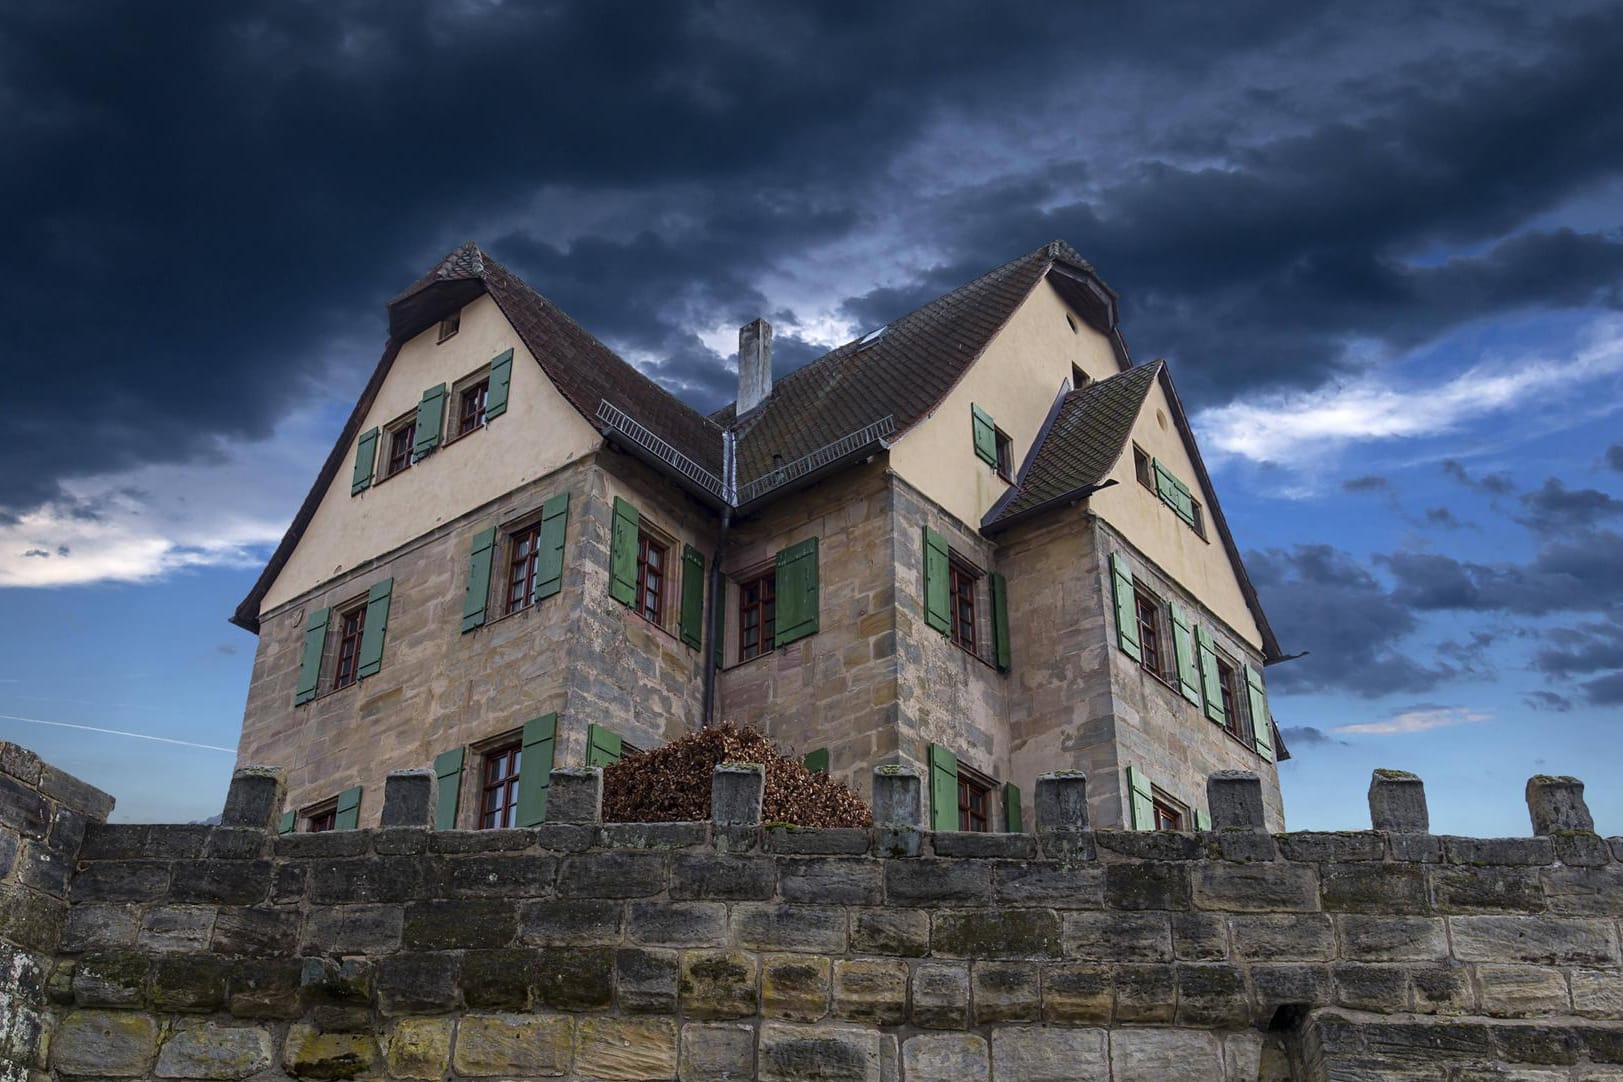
pixel 904 372
pixel 465 263
pixel 1080 444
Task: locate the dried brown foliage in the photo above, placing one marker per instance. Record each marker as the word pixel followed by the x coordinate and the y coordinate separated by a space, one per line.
pixel 672 783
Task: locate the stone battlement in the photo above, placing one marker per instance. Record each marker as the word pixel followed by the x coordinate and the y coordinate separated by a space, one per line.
pixel 733 949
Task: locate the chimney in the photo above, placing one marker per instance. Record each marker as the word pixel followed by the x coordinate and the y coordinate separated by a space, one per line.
pixel 754 365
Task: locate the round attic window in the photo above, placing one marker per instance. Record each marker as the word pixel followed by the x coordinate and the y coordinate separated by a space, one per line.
pixel 1161 419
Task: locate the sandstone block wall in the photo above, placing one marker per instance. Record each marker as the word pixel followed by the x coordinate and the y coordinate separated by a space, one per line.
pixel 688 951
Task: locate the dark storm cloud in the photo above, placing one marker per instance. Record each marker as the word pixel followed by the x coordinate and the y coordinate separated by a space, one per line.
pixel 1368 483
pixel 1614 456
pixel 1442 517
pixel 1577 572
pixel 219 197
pixel 1556 508
pixel 1494 484
pixel 1306 736
pixel 1548 700
pixel 1582 650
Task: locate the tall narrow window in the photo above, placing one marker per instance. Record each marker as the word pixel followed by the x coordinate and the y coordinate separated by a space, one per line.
pixel 1152 644
pixel 961 588
pixel 1005 456
pixel 498 799
pixel 757 605
pixel 1142 468
pixel 471 407
pixel 974 799
pixel 523 544
pixel 651 560
pixel 450 325
pixel 401 439
pixel 1235 707
pixel 351 625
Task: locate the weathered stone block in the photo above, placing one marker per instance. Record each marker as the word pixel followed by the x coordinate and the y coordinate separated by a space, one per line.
pixel 82 797
pixel 996 934
pixel 716 1052
pixel 897 841
pixel 1368 938
pixel 1397 802
pixel 100 928
pixel 576 922
pixel 940 995
pixel 1521 991
pixel 1212 994
pixel 1049 1054
pixel 111 979
pixel 903 933
pixel 1199 937
pixel 575 978
pixel 420 1048
pixel 1078 992
pixel 794 987
pixel 374 929
pixel 923 882
pixel 449 925
pixel 645 981
pixel 1144 993
pixel 212 1051
pixel 1499 851
pixel 1331 847
pixel 973 844
pixel 897 797
pixel 189 982
pixel 222 882
pixel 397 841
pixel 1303 937
pixel 653 835
pixel 820 929
pixel 494 840
pixel 1118 937
pixel 264 988
pixel 1068 847
pixel 323 845
pixel 1234 798
pixel 718 984
pixel 1151 844
pixel 613 874
pixel 722 877
pixel 1152 885
pixel 575 795
pixel 1381 889
pixel 625 1049
pixel 1164 1055
pixel 1005 992
pixel 1370 987
pixel 498 875
pixel 168 928
pixel 1556 805
pixel 346 981
pixel 106 1044
pixel 414 983
pixel 497 980
pixel 1542 940
pixel 831 881
pixel 255 797
pixel 1442 988
pixel 348 881
pixel 1253 888
pixel 946 1057
pixel 736 792
pixel 678 924
pixel 409 798
pixel 256 931
pixel 1288 985
pixel 794 1053
pixel 871 990
pixel 818 841
pixel 513 1046
pixel 1477 890
pixel 220 843
pixel 121 881
pixel 1062 801
pixel 1053 885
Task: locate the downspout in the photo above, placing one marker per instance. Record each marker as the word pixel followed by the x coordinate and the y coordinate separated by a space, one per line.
pixel 712 609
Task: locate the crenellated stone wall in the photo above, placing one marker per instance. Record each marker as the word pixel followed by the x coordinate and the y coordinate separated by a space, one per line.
pixel 730 949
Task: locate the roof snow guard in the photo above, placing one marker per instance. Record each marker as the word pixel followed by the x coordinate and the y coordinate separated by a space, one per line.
pixel 862 442
pixel 619 425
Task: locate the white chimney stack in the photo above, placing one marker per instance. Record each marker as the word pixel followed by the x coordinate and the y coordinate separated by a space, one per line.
pixel 754 365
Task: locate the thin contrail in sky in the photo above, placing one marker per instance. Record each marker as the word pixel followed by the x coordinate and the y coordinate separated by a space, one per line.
pixel 118 732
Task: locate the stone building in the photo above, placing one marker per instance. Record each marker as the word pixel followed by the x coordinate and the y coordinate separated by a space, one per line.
pixel 979 540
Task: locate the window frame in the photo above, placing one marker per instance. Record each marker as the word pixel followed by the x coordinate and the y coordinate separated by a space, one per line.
pixel 1232 692
pixel 449 326
pixel 1144 470
pixel 504 815
pixel 1199 525
pixel 1079 378
pixel 343 635
pixel 524 530
pixel 320 818
pixel 403 426
pixel 1005 454
pixel 473 381
pixel 972 784
pixel 1174 813
pixel 1165 665
pixel 647 540
pixel 963 577
pixel 765 607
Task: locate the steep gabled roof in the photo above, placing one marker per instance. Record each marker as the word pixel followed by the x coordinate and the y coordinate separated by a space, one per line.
pixel 906 370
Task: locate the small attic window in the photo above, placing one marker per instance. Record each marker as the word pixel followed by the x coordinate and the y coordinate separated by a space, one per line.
pixel 871 337
pixel 450 325
pixel 1072 321
pixel 1079 378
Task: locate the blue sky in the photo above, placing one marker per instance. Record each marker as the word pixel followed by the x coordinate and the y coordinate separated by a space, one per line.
pixel 1382 251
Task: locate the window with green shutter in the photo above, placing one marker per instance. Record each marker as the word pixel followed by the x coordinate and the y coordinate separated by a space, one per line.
pixel 315 640
pixel 347 815
pixel 937 588
pixel 1121 580
pixel 366 454
pixel 377 627
pixel 1257 699
pixel 549 549
pixel 691 625
pixel 623 552
pixel 501 374
pixel 943 789
pixel 448 779
pixel 816 761
pixel 1141 800
pixel 1183 650
pixel 476 598
pixel 536 752
pixel 1203 820
pixel 985 433
pixel 1211 684
pixel 1013 820
pixel 603 746
pixel 1000 621
pixel 289 820
pixel 430 420
pixel 796 593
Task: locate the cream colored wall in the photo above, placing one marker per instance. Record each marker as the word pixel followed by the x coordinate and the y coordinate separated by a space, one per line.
pixel 539 433
pixel 1200 567
pixel 1015 381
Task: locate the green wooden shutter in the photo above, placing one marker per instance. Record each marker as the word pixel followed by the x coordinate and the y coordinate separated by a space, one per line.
pixel 377 627
pixel 1183 650
pixel 985 435
pixel 1000 620
pixel 448 774
pixel 476 598
pixel 691 627
pixel 315 641
pixel 1173 492
pixel 817 761
pixel 288 821
pixel 795 588
pixel 1209 682
pixel 501 374
pixel 430 419
pixel 623 553
pixel 538 744
pixel 1203 820
pixel 602 746
pixel 366 453
pixel 943 789
pixel 549 554
pixel 348 814
pixel 1141 800
pixel 1012 821
pixel 1121 578
pixel 936 611
pixel 1257 697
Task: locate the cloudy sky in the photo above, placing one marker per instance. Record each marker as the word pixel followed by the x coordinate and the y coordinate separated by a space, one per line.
pixel 1381 248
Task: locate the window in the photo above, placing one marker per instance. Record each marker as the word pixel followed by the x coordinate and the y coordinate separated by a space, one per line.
pixel 498 796
pixel 1152 642
pixel 1072 321
pixel 1196 521
pixel 1168 816
pixel 961 597
pixel 351 626
pixel 757 604
pixel 974 802
pixel 470 406
pixel 1005 455
pixel 1079 378
pixel 1236 708
pixel 522 546
pixel 401 435
pixel 651 560
pixel 1142 468
pixel 323 820
pixel 450 325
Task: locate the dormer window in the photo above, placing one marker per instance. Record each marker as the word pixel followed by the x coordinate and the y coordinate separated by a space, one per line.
pixel 450 325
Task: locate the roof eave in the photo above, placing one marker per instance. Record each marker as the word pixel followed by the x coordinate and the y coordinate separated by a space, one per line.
pixel 1064 499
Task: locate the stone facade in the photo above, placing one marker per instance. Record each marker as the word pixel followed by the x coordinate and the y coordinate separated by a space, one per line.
pixel 730 951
